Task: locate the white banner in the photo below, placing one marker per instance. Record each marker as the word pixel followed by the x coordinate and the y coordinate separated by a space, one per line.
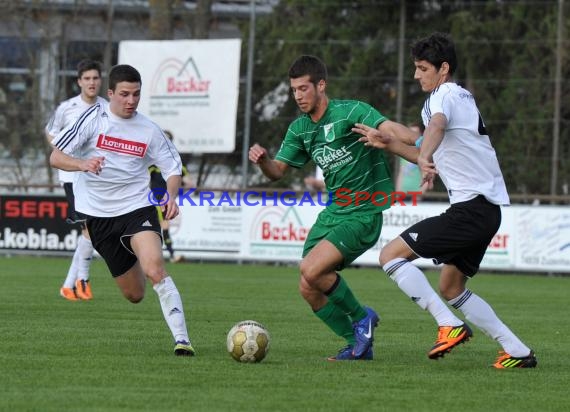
pixel 276 232
pixel 542 238
pixel 189 87
pixel 530 238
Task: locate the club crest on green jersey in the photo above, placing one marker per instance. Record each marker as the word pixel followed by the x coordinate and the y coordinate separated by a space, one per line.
pixel 329 132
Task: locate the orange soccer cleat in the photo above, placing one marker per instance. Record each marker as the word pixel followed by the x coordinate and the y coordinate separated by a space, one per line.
pixel 83 290
pixel 449 337
pixel 506 361
pixel 68 293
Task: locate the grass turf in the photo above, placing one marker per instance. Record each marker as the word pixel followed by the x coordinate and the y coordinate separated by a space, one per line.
pixel 110 355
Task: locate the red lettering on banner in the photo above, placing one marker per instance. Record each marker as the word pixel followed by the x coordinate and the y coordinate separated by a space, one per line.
pixel 116 144
pixel 499 242
pixel 187 86
pixel 31 209
pixel 289 233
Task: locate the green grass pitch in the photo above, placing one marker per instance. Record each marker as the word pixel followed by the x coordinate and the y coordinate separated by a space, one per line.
pixel 111 355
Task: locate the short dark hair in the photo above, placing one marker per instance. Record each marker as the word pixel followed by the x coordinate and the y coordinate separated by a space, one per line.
pixel 168 134
pixel 436 49
pixel 87 64
pixel 308 65
pixel 123 73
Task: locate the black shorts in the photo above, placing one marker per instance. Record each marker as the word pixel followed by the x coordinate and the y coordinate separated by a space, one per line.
pixel 73 216
pixel 459 236
pixel 111 236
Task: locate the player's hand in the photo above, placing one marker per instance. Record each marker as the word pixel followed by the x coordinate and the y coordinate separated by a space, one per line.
pixel 170 210
pixel 257 154
pixel 93 165
pixel 371 136
pixel 428 171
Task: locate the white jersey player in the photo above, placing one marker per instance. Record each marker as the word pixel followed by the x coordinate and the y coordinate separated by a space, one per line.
pixel 114 145
pixel 76 284
pixel 457 148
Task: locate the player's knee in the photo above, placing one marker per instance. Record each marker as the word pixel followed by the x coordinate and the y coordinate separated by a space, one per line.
pixel 133 297
pixel 156 274
pixel 395 249
pixel 309 272
pixel 449 292
pixel 385 256
pixel 304 288
pixel 445 293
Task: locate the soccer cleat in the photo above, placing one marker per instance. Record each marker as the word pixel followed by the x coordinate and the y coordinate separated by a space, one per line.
pixel 183 348
pixel 83 289
pixel 68 293
pixel 177 259
pixel 448 337
pixel 506 361
pixel 346 354
pixel 364 333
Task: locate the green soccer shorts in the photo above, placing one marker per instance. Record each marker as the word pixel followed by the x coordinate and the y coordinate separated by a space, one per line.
pixel 351 234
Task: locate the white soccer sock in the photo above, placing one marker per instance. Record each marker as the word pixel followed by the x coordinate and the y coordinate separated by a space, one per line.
pixel 480 313
pixel 413 283
pixel 69 281
pixel 85 254
pixel 171 305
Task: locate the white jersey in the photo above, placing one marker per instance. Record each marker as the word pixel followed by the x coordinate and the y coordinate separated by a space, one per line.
pixel 465 159
pixel 129 146
pixel 67 113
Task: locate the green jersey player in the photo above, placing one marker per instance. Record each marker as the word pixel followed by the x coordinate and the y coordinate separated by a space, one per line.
pixel 360 181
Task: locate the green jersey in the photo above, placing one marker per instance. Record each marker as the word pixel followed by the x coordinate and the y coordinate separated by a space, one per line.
pixel 358 177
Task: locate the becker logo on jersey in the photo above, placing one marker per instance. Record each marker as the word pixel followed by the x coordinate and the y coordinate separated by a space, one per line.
pixel 115 144
pixel 329 159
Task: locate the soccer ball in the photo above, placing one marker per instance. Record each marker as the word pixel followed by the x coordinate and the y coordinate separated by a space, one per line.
pixel 248 341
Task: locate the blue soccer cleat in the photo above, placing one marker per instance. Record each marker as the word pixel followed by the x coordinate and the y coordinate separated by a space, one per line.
pixel 346 354
pixel 364 333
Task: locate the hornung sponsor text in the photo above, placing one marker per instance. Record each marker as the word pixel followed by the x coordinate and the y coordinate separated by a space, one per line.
pixel 120 145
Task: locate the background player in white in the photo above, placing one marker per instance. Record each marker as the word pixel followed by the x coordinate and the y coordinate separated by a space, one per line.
pixel 457 147
pixel 76 284
pixel 116 145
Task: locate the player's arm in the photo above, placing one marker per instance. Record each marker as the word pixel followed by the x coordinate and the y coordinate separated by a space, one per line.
pixel 390 136
pixel 395 130
pixel 273 169
pixel 410 153
pixel 63 161
pixel 172 185
pixel 433 136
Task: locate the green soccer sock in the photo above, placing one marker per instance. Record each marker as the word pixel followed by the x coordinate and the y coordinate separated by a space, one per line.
pixel 337 321
pixel 341 295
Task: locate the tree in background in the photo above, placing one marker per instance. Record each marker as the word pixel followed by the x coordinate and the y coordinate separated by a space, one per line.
pixel 507 53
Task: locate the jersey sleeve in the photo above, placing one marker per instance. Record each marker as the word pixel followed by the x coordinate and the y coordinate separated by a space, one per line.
pixel 441 102
pixel 164 155
pixel 368 115
pixel 292 150
pixel 76 134
pixel 56 121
